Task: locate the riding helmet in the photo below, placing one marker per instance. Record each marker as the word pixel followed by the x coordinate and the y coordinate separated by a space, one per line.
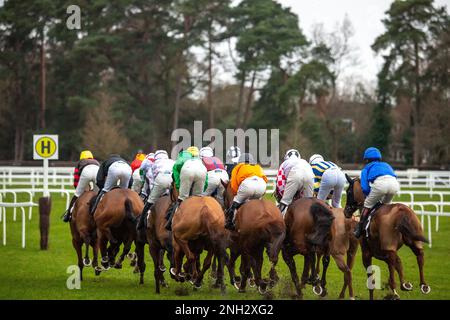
pixel 161 154
pixel 234 153
pixel 315 158
pixel 193 150
pixel 292 152
pixel 206 152
pixel 86 154
pixel 372 153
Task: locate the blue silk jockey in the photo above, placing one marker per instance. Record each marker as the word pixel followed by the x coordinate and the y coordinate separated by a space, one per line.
pixel 233 155
pixel 378 182
pixel 190 178
pixel 216 174
pixel 113 172
pixel 160 173
pixel 328 179
pixel 294 175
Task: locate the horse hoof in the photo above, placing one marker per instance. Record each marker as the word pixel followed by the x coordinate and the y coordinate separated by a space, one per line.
pixel 237 286
pixel 262 289
pixel 172 272
pixel 213 275
pixel 352 298
pixel 164 284
pixel 251 283
pixel 393 296
pixel 132 255
pixel 87 262
pixel 406 286
pixel 133 263
pixel 425 289
pixel 162 268
pixel 197 286
pixel 318 290
pixel 118 266
pixel 324 293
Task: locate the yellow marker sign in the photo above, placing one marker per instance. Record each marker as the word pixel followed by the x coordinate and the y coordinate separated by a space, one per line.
pixel 45 147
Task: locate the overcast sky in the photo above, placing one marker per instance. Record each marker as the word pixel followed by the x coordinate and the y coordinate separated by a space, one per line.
pixel 365 15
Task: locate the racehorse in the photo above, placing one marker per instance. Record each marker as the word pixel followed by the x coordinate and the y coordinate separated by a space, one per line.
pixel 343 244
pixel 82 227
pixel 159 240
pixel 391 226
pixel 198 225
pixel 115 218
pixel 259 225
pixel 308 232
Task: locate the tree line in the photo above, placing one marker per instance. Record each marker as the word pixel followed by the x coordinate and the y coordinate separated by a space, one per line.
pixel 137 69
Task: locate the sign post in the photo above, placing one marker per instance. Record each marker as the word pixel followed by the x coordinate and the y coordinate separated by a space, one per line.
pixel 45 147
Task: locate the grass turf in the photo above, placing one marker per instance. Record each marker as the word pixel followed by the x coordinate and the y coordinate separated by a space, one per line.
pixel 34 274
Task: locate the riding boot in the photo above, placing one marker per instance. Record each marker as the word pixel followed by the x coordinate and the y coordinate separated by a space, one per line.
pixel 229 216
pixel 97 200
pixel 143 216
pixel 168 225
pixel 359 227
pixel 68 214
pixel 282 207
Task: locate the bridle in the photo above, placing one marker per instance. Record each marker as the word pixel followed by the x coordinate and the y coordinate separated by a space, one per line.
pixel 351 206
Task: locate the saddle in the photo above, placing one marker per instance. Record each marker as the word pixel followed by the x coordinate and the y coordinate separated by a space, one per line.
pixel 370 215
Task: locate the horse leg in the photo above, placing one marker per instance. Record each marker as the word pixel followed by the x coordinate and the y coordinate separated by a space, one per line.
pixel 245 271
pixel 78 244
pixel 418 251
pixel 94 246
pixel 323 280
pixel 125 251
pixel 140 247
pixel 86 261
pixel 306 267
pixel 367 262
pixel 213 273
pixel 234 254
pixel 289 260
pixel 340 262
pixel 404 286
pixel 351 254
pixel 206 265
pixel 391 261
pixel 102 243
pixel 222 259
pixel 257 263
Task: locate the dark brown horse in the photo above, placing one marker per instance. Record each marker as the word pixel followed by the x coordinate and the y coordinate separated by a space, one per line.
pixel 159 240
pixel 343 244
pixel 308 232
pixel 198 225
pixel 391 226
pixel 115 220
pixel 259 225
pixel 82 227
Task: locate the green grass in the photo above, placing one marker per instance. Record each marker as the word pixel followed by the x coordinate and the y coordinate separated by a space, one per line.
pixel 34 274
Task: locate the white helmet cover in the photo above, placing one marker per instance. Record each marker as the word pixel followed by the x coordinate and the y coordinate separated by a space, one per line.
pixel 206 152
pixel 292 153
pixel 161 154
pixel 234 153
pixel 315 158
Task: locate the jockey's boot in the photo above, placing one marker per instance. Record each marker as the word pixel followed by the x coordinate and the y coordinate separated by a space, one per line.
pixel 143 196
pixel 168 225
pixel 141 222
pixel 359 227
pixel 229 215
pixel 97 200
pixel 68 214
pixel 282 207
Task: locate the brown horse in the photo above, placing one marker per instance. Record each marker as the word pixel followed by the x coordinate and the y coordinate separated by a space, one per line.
pixel 308 232
pixel 259 225
pixel 198 225
pixel 159 240
pixel 391 226
pixel 115 220
pixel 343 244
pixel 82 227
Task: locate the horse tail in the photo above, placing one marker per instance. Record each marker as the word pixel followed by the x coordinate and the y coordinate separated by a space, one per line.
pixel 276 244
pixel 323 218
pixel 129 211
pixel 409 230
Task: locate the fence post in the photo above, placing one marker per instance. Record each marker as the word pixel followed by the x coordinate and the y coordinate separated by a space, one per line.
pixel 45 206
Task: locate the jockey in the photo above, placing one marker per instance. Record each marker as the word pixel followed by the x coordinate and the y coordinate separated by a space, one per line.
pixel 216 174
pixel 143 170
pixel 85 172
pixel 112 171
pixel 233 155
pixel 161 176
pixel 328 178
pixel 190 178
pixel 248 181
pixel 294 175
pixel 135 165
pixel 378 182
